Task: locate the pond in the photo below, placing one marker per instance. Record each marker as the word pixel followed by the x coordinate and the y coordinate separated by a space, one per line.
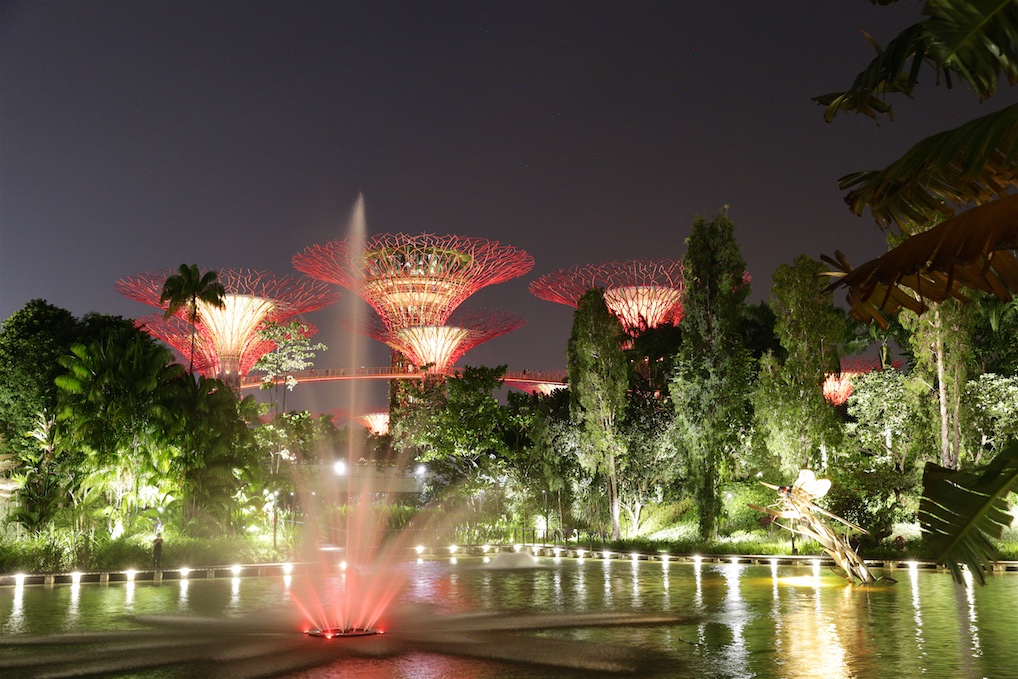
pixel 465 618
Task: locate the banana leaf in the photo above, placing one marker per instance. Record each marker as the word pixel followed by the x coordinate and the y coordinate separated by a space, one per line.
pixel 963 513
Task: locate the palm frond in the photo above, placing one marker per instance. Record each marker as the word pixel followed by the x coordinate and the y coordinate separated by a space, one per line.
pixel 974 163
pixel 961 513
pixel 975 250
pixel 974 40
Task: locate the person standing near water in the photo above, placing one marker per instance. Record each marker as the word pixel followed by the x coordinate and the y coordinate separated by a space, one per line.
pixel 157 551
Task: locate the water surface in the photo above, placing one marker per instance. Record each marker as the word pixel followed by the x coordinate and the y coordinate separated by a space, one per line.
pixel 733 621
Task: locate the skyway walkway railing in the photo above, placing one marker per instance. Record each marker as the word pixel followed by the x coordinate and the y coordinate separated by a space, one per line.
pixel 389 373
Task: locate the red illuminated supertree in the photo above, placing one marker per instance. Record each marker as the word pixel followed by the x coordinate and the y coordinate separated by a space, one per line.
pixel 439 346
pixel 375 421
pixel 414 281
pixel 838 386
pixel 641 293
pixel 226 340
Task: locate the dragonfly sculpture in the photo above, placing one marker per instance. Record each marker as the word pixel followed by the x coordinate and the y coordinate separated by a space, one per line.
pixel 802 516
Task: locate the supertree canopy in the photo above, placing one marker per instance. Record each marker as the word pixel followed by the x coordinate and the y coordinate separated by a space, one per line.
pixel 414 281
pixel 375 421
pixel 641 293
pixel 226 340
pixel 838 386
pixel 439 346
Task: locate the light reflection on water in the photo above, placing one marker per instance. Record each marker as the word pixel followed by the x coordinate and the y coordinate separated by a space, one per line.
pixel 759 621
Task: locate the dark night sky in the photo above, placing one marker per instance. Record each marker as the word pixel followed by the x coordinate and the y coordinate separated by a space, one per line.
pixel 137 136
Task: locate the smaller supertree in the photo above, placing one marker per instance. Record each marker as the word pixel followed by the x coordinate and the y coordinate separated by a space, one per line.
pixel 226 339
pixel 438 347
pixel 838 386
pixel 375 421
pixel 640 293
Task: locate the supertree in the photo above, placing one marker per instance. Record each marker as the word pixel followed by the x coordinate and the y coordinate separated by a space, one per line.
pixel 838 386
pixel 226 340
pixel 641 293
pixel 414 281
pixel 375 421
pixel 438 347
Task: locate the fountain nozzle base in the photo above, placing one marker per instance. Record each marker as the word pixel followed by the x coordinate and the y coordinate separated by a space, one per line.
pixel 332 632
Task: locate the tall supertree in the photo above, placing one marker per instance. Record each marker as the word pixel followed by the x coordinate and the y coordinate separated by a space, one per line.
pixel 641 293
pixel 227 344
pixel 414 281
pixel 438 347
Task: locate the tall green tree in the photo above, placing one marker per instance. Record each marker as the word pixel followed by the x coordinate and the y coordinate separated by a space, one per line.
pixel 31 341
pixel 789 403
pixel 598 380
pixel 941 349
pixel 187 289
pixel 713 374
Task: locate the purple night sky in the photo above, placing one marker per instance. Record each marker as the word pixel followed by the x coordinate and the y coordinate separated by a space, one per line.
pixel 137 136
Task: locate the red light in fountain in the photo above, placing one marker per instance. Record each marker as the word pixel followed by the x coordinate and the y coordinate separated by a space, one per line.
pixel 415 281
pixel 641 293
pixel 228 337
pixel 440 346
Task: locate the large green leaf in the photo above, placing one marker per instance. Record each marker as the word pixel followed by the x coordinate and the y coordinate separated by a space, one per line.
pixel 962 513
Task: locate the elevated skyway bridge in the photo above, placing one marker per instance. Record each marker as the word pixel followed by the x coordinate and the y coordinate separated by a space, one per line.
pixel 526 380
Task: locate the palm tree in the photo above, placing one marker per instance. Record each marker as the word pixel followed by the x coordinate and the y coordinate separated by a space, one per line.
pixel 184 290
pixel 976 42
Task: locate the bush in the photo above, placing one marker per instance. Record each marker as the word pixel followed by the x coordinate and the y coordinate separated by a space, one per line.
pixel 738 515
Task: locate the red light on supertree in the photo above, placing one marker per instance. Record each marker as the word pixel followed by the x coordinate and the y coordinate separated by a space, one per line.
pixel 641 293
pixel 226 340
pixel 177 333
pixel 838 387
pixel 440 346
pixel 414 281
pixel 375 421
